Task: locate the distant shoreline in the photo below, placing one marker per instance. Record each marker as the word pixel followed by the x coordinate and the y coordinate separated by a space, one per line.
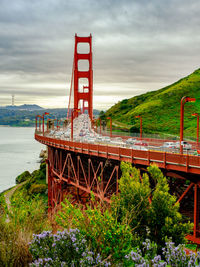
pixel 30 126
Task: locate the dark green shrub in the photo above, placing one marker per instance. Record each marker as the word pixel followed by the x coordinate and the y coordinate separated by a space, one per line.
pixel 23 177
pixel 37 189
pixel 157 219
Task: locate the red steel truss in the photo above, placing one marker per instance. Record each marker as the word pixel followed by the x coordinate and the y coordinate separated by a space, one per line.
pixel 170 161
pixel 80 175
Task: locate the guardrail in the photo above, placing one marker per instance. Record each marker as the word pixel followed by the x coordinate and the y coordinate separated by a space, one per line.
pixel 166 160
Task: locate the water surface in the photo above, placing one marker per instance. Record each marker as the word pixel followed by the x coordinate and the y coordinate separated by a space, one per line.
pixel 18 152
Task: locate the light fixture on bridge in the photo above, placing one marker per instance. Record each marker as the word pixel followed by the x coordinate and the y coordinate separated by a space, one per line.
pixel 183 101
pixel 140 117
pixel 197 115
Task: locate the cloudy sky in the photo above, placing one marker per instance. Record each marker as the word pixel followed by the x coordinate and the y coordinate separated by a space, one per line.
pixel 138 46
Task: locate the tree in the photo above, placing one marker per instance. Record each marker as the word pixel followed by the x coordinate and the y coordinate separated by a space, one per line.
pixel 151 212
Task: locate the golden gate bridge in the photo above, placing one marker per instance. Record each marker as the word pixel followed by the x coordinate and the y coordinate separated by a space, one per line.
pixel 80 167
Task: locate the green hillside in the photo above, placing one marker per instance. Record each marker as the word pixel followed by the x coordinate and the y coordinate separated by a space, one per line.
pixel 160 109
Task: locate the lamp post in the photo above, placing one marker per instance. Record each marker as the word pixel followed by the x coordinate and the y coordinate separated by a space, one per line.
pixel 40 117
pixel 49 123
pixel 53 123
pixel 140 117
pixel 183 101
pixel 197 115
pixel 72 118
pixel 58 122
pixel 46 113
pixel 109 118
pixel 36 121
pixel 100 124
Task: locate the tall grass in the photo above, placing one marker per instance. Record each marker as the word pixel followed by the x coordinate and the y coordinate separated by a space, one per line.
pixel 17 226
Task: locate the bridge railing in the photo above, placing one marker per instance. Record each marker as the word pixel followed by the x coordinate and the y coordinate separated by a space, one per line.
pixel 179 162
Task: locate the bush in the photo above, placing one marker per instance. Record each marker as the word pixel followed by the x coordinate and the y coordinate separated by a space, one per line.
pixel 40 175
pixel 67 248
pixel 99 226
pixel 170 256
pixel 144 208
pixel 23 177
pixel 37 189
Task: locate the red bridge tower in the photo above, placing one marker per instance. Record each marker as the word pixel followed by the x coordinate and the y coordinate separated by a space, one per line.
pixel 85 93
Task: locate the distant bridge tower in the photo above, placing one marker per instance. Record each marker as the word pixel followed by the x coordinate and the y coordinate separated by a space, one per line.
pixel 86 93
pixel 13 99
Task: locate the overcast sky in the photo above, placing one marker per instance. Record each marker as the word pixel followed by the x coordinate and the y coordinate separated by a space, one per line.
pixel 138 46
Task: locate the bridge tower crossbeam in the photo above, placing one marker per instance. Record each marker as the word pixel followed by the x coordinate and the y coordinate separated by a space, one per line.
pixel 85 93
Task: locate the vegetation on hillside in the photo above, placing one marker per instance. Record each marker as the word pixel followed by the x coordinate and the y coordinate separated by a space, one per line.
pixel 26 215
pixel 130 231
pixel 160 109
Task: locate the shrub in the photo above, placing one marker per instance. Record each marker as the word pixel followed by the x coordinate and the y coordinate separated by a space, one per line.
pixel 37 189
pixel 23 177
pixel 160 215
pixel 67 248
pixel 132 202
pixel 40 175
pixel 170 256
pixel 99 226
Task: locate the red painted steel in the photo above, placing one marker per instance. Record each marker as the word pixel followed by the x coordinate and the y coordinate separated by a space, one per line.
pixel 109 118
pixel 65 169
pixel 78 95
pixel 170 161
pixel 140 117
pixel 183 101
pixel 197 115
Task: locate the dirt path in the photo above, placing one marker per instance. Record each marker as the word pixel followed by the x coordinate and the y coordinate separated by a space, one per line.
pixel 9 195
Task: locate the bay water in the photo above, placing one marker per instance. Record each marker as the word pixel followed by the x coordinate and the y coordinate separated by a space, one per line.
pixel 18 152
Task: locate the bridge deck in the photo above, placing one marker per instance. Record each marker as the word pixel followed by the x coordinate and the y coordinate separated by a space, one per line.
pixel 170 161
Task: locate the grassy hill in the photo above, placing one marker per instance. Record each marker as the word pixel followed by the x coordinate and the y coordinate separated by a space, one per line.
pixel 160 109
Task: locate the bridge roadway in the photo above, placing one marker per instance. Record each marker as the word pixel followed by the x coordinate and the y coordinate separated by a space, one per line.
pixel 171 161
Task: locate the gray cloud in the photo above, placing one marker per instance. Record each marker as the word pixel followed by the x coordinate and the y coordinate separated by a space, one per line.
pixel 138 45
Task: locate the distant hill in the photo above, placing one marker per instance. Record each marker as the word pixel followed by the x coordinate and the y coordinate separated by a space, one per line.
pixel 24 107
pixel 25 115
pixel 160 109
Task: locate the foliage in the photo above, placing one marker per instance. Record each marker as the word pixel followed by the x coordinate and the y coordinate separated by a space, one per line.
pixel 37 189
pixel 26 117
pixel 150 213
pixel 17 225
pixel 23 177
pixel 102 115
pixel 104 234
pixel 28 214
pixel 67 248
pixel 13 246
pixel 70 248
pixel 164 217
pixel 160 108
pixel 170 256
pixel 36 184
pixel 132 203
